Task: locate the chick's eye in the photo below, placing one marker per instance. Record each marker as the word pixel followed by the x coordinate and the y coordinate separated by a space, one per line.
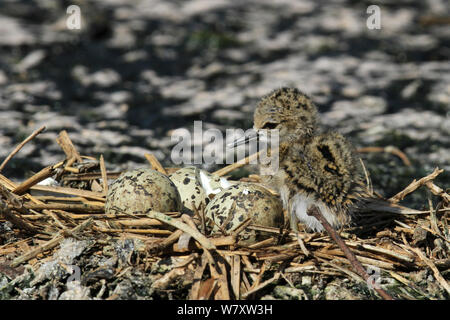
pixel 269 125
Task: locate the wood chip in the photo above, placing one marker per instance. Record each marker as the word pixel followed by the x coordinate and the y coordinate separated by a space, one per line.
pixel 104 175
pixel 196 293
pixel 236 275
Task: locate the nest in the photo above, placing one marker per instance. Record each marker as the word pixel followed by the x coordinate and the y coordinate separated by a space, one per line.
pixel 167 255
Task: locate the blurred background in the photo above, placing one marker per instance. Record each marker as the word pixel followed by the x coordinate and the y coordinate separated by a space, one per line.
pixel 138 69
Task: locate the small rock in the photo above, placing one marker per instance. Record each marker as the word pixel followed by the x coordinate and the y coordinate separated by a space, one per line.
pixel 337 290
pixel 14 33
pixel 289 293
pixel 230 115
pixel 75 291
pixel 3 77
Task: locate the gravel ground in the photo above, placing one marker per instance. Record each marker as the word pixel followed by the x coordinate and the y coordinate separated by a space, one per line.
pixel 138 70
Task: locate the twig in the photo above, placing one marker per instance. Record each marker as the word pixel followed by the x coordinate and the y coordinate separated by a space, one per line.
pixel 438 191
pixel 71 169
pixel 409 283
pixel 277 257
pixel 236 275
pixel 200 213
pixel 260 275
pixel 435 270
pixel 302 246
pixel 169 240
pixel 155 163
pixel 263 243
pixel 139 222
pixel 205 242
pixel 87 208
pixel 353 275
pixel 368 181
pixel 262 285
pixel 69 149
pixel 104 175
pixel 91 176
pixel 138 231
pixel 430 20
pixel 388 149
pixel 50 244
pixel 433 218
pixel 195 289
pixel 163 282
pixel 11 200
pixel 218 242
pixel 187 219
pixel 223 241
pixel 224 224
pixel 249 266
pixel 241 227
pixel 383 251
pixel 206 288
pixel 72 191
pixel 223 293
pixel 8 184
pixel 414 185
pixel 15 220
pixel 20 146
pixel 315 212
pixel 236 165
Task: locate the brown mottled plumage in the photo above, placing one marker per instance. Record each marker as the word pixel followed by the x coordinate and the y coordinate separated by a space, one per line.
pixel 293 114
pixel 288 110
pixel 324 171
pixel 314 168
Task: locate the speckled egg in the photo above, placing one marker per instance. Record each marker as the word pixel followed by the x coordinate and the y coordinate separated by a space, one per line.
pixel 212 184
pixel 189 187
pixel 251 201
pixel 140 190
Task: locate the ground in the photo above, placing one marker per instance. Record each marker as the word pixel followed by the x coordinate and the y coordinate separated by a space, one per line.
pixel 136 71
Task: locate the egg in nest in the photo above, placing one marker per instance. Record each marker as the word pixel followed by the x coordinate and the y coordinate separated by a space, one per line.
pixel 195 185
pixel 189 187
pixel 232 206
pixel 138 191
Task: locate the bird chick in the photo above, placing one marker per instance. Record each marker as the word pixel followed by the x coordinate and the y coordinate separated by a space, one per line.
pixel 290 111
pixel 321 171
pixel 293 114
pixel 314 168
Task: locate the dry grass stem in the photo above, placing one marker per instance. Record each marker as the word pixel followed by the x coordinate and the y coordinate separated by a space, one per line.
pixel 415 185
pixel 69 149
pixel 155 163
pixel 237 165
pixel 50 244
pixel 20 146
pixel 388 149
